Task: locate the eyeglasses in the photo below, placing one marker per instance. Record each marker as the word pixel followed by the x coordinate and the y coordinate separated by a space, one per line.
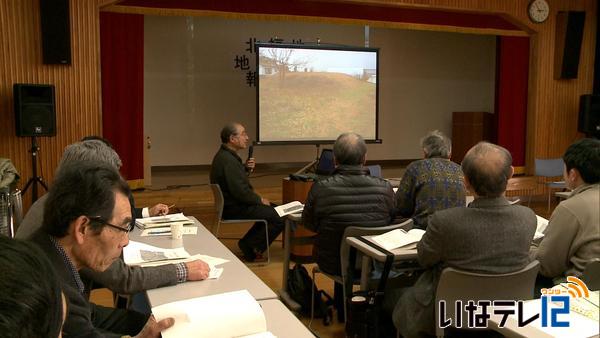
pixel 102 221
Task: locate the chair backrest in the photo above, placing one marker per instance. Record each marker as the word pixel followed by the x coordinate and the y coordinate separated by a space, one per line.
pixel 374 170
pixel 354 231
pixel 326 164
pixel 591 274
pixel 462 285
pixel 219 202
pixel 549 167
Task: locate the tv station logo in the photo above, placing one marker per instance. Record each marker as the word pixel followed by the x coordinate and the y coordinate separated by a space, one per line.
pixel 554 308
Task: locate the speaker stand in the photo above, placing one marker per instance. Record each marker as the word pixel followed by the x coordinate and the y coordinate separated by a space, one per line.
pixel 312 166
pixel 35 179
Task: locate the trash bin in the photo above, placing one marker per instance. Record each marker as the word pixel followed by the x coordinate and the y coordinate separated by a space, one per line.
pixel 11 211
pixel 11 204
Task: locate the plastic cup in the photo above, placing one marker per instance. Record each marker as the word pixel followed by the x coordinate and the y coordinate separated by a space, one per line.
pixel 176 231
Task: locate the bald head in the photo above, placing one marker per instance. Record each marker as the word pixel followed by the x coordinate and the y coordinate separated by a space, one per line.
pixel 350 149
pixel 487 168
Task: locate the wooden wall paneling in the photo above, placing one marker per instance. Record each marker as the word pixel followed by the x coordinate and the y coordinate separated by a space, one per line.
pixel 552 106
pixel 77 85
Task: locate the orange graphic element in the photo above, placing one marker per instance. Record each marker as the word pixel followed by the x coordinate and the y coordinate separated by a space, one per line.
pixel 577 288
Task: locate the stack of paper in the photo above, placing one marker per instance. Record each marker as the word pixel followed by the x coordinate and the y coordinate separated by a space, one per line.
pixel 231 314
pixel 162 221
pixel 398 238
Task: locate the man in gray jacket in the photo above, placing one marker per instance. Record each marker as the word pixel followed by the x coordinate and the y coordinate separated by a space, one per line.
pixel 87 219
pixel 489 236
pixel 119 277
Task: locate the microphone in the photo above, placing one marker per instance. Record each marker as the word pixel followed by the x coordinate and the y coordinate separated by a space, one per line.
pixel 250 151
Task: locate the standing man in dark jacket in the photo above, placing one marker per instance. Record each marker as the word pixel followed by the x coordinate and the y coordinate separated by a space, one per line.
pixel 349 197
pixel 241 201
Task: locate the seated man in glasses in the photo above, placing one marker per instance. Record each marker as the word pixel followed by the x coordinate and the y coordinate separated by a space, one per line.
pixel 119 277
pixel 87 218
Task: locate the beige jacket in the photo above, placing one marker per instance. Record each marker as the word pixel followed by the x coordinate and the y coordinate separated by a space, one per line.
pixel 572 237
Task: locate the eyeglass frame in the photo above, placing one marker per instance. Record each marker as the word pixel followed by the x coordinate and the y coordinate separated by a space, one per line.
pixel 102 221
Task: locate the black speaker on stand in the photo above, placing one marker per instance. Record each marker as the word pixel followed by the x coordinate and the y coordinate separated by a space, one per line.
pixel 35 116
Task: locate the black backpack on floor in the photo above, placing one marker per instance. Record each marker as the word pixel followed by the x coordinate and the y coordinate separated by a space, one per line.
pixel 299 286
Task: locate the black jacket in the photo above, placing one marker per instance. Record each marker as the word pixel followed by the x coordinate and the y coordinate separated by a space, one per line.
pixel 228 171
pixel 349 197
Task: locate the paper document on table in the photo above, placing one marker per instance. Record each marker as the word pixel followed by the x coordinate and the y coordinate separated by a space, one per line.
pixel 161 221
pixel 580 326
pixel 137 253
pixel 166 231
pixel 231 314
pixel 586 306
pixel 215 272
pixel 398 238
pixel 260 335
pixel 289 208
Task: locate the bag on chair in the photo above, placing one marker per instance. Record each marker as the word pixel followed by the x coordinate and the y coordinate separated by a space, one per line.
pixel 363 319
pixel 299 285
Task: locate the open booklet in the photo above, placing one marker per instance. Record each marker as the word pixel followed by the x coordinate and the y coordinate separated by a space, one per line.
pixel 162 221
pixel 289 208
pixel 542 223
pixel 230 314
pixel 398 238
pixel 137 253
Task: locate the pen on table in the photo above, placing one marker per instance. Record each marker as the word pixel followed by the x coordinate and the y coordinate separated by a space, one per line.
pixel 159 232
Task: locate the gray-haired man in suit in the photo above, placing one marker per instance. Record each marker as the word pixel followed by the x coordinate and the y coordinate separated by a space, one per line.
pixel 489 236
pixel 119 277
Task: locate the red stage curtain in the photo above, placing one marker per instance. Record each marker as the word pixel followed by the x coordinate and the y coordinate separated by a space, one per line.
pixel 511 95
pixel 122 57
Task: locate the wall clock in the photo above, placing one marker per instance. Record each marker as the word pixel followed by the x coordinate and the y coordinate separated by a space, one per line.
pixel 538 11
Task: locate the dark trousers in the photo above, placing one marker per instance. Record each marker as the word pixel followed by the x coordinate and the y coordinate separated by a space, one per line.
pixel 541 282
pixel 255 237
pixel 338 300
pixel 119 321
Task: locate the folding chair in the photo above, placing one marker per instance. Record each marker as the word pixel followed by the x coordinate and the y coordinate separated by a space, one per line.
pixel 219 204
pixel 550 168
pixel 460 285
pixel 351 231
